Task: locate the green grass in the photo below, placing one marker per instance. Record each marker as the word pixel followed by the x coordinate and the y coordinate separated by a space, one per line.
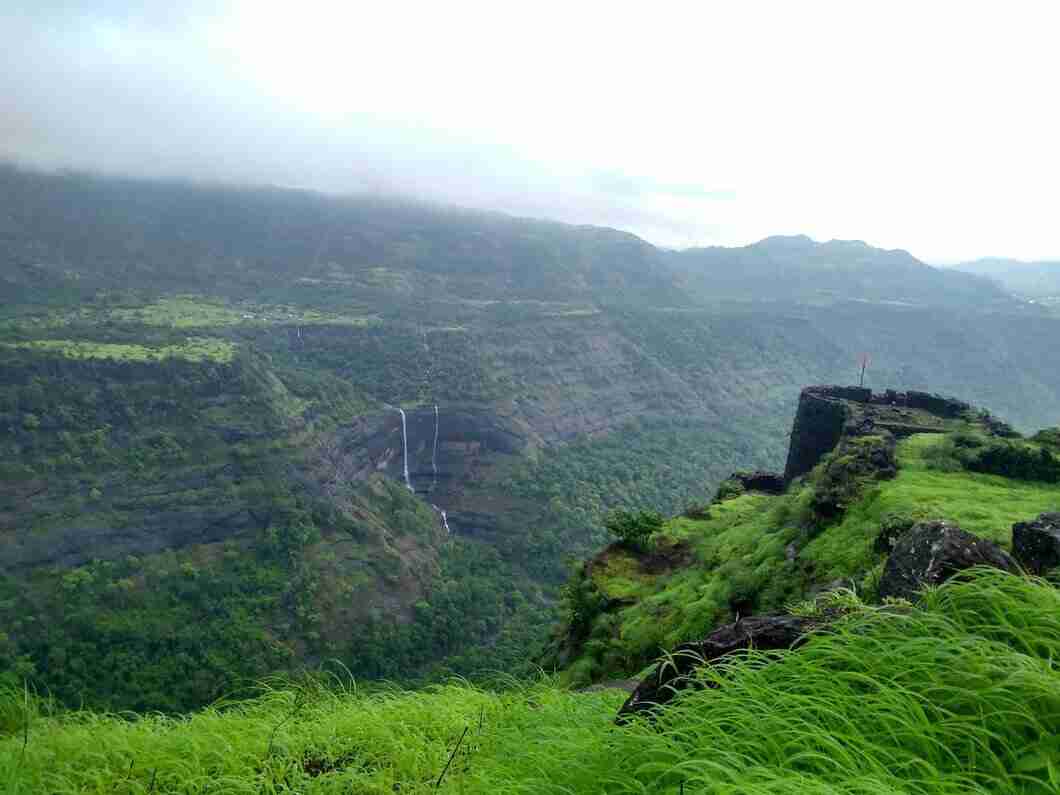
pixel 960 695
pixel 183 312
pixel 741 560
pixel 190 311
pixel 986 505
pixel 738 551
pixel 194 349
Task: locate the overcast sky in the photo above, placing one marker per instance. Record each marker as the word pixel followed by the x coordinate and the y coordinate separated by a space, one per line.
pixel 931 126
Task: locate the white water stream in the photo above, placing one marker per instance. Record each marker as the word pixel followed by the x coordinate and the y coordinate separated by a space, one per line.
pixel 434 451
pixel 445 519
pixel 405 450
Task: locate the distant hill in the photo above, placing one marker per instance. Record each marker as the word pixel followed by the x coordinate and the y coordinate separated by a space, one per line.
pixel 1025 279
pixel 799 268
pixel 67 231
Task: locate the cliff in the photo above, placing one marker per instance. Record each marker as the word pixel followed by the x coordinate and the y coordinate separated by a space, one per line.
pixel 862 469
pixel 826 414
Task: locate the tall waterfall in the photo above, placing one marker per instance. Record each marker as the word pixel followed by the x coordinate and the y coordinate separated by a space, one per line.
pixel 405 450
pixel 434 451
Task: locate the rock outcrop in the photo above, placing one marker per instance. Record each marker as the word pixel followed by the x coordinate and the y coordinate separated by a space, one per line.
pixel 1036 544
pixel 764 482
pixel 764 633
pixel 827 414
pixel 820 420
pixel 932 552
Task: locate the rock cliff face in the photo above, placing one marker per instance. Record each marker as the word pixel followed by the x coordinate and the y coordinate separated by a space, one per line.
pixel 445 448
pixel 828 413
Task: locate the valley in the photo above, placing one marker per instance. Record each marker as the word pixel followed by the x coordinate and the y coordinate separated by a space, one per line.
pixel 201 418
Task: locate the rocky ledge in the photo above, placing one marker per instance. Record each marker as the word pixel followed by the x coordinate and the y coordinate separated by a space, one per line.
pixel 923 555
pixel 827 414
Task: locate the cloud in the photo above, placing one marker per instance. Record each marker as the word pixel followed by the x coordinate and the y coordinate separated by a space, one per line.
pixel 927 128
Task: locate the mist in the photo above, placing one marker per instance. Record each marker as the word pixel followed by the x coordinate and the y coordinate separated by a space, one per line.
pixel 925 129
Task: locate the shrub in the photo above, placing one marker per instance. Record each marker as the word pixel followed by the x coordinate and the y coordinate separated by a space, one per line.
pixel 728 489
pixel 1014 460
pixel 698 511
pixel 634 529
pixel 1048 437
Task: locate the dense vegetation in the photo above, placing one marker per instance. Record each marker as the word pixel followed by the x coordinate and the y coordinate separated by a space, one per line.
pixel 192 376
pixel 754 553
pixel 958 695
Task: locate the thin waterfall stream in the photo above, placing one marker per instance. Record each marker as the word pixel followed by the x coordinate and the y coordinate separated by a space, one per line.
pixel 445 519
pixel 405 450
pixel 434 451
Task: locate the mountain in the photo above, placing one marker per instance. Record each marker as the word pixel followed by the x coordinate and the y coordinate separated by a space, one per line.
pixel 1033 280
pixel 87 231
pixel 798 268
pixel 947 688
pixel 200 425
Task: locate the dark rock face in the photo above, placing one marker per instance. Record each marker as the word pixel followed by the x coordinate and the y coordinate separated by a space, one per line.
pixel 764 633
pixel 75 545
pixel 827 414
pixel 936 404
pixel 765 482
pixel 819 423
pixel 1036 544
pixel 891 531
pixel 443 447
pixel 932 552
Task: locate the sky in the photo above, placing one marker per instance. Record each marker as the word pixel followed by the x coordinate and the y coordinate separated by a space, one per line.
pixel 928 126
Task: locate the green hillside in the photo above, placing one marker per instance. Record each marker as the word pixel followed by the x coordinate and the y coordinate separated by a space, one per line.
pixel 958 692
pixel 750 553
pixel 202 459
pixel 1038 282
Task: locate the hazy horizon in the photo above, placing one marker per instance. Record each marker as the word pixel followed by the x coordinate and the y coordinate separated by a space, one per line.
pixel 912 128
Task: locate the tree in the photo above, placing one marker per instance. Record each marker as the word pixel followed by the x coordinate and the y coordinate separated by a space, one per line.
pixel 634 529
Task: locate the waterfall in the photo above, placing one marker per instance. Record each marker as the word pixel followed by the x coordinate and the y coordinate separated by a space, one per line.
pixel 445 519
pixel 434 451
pixel 405 450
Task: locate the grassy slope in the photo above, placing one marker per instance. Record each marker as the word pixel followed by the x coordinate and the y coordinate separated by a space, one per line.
pixel 739 556
pixel 959 695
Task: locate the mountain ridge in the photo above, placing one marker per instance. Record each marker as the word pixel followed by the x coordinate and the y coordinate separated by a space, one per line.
pixel 253 236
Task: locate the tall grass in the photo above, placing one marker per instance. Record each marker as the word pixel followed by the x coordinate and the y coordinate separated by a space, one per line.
pixel 958 695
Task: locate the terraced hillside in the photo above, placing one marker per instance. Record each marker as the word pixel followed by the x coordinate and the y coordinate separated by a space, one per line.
pixel 199 423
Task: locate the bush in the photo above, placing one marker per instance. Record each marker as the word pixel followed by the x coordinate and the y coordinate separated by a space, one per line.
pixel 1014 460
pixel 699 511
pixel 634 529
pixel 728 489
pixel 1048 437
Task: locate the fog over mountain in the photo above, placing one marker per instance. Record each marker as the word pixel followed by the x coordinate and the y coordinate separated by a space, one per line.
pixel 1032 280
pixel 671 125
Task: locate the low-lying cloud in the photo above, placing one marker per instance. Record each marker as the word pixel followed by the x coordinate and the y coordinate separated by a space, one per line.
pixel 909 127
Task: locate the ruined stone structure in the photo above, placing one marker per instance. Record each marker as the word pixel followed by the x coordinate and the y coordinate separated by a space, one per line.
pixel 828 413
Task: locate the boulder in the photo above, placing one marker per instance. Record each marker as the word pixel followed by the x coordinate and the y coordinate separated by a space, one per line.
pixel 764 482
pixel 671 675
pixel 1036 544
pixel 932 552
pixel 892 528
